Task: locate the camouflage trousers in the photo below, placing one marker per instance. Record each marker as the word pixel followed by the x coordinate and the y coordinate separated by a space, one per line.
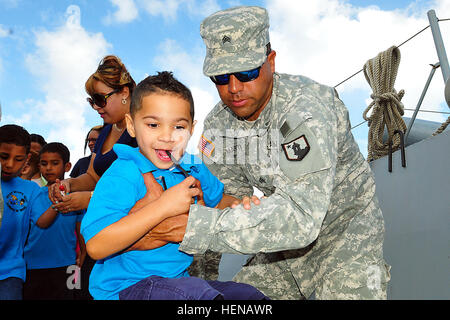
pixel 358 280
pixel 205 266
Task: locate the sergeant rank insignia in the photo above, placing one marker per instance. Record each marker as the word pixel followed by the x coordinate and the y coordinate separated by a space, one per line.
pixel 297 149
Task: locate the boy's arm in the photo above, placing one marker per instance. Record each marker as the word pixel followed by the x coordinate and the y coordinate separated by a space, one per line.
pixel 130 228
pixel 46 219
pixel 171 229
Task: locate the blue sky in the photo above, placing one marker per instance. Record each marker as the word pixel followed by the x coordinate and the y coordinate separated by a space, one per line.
pixel 49 48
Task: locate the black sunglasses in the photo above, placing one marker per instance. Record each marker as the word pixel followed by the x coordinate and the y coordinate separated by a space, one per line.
pixel 99 99
pixel 243 76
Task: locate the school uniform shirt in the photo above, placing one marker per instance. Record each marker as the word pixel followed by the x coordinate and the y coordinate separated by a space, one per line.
pixel 21 200
pixel 117 191
pixel 52 247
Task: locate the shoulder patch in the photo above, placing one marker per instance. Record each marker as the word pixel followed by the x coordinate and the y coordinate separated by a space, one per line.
pixel 205 146
pixel 296 149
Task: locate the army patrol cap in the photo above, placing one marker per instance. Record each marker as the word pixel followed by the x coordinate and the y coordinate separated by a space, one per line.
pixel 235 40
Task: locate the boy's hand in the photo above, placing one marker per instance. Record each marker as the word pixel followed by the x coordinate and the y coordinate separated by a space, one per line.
pixel 171 229
pixel 177 199
pixel 54 193
pixel 73 202
pixel 246 202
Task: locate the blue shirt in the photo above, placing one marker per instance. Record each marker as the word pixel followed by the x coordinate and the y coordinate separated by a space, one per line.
pixel 21 200
pixel 117 191
pixel 52 247
pixel 81 166
pixel 103 161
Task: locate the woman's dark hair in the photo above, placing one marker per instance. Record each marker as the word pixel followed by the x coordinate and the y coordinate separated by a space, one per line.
pixel 95 128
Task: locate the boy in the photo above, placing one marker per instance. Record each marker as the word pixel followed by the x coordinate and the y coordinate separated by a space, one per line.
pixel 20 202
pixel 51 244
pixel 161 118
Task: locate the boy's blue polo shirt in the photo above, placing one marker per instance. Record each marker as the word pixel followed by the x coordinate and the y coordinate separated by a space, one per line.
pixel 21 200
pixel 55 246
pixel 117 191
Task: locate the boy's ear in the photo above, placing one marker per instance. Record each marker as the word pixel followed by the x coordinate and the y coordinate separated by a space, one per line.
pixel 67 167
pixel 130 125
pixel 193 126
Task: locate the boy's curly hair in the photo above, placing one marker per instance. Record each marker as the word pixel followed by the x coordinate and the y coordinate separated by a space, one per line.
pixel 162 83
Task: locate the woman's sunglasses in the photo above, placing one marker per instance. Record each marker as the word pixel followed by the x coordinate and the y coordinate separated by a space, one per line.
pixel 243 76
pixel 100 99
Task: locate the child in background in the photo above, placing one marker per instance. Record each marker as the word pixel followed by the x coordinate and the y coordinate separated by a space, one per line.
pixel 21 200
pixel 161 118
pixel 51 244
pixel 37 142
pixel 31 168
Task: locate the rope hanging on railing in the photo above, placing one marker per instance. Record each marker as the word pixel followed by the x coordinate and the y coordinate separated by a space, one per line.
pixel 387 110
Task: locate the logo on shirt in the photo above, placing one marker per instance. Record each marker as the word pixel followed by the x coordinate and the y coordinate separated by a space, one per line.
pixel 297 149
pixel 16 201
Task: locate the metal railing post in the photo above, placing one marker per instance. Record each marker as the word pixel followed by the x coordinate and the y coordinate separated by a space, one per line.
pixel 439 44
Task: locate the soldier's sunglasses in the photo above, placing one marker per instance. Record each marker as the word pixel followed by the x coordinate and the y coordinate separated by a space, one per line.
pixel 100 99
pixel 243 76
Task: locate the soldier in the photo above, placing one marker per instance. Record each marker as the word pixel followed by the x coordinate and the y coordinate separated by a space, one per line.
pixel 320 229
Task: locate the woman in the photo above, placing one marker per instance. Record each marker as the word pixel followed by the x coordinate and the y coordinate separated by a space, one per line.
pixel 82 164
pixel 110 89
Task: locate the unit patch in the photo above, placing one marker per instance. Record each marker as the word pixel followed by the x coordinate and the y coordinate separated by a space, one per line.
pixel 297 149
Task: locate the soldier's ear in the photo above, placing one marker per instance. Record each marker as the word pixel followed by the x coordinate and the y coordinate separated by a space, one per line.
pixel 271 60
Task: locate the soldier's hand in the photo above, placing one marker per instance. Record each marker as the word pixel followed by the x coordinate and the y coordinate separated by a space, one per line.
pixel 246 202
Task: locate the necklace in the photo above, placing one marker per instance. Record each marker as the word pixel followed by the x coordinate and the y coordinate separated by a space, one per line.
pixel 117 128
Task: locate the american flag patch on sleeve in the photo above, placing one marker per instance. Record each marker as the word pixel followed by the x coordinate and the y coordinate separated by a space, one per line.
pixel 205 146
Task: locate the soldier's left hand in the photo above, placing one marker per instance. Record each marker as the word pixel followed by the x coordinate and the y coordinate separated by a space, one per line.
pixel 246 202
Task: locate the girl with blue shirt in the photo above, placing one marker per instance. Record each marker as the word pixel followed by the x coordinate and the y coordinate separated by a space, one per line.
pixel 161 119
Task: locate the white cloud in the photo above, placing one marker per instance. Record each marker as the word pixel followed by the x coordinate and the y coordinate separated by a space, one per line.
pixel 126 12
pixel 168 9
pixel 4 32
pixel 329 40
pixel 63 60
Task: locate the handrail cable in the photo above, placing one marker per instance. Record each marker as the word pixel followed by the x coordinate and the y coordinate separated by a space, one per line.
pixel 430 111
pixel 410 38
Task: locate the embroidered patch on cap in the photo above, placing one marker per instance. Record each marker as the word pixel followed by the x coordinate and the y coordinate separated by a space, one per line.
pixel 205 146
pixel 297 149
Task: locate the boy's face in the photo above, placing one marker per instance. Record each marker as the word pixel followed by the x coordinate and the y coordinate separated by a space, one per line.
pixel 52 166
pixel 163 123
pixel 13 159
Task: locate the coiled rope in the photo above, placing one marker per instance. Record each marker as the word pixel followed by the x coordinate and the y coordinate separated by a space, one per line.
pixel 386 107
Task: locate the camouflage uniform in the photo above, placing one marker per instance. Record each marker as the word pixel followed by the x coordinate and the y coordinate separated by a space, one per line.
pixel 321 228
pixel 205 266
